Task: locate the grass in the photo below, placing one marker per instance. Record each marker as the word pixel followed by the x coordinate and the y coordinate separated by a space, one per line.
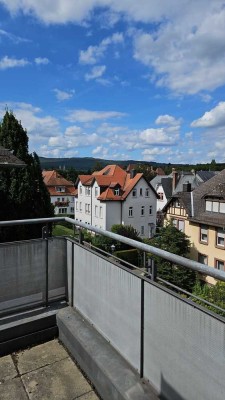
pixel 60 230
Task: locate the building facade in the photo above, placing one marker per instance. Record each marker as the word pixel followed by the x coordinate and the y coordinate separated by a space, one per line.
pixel 62 192
pixel 113 196
pixel 200 214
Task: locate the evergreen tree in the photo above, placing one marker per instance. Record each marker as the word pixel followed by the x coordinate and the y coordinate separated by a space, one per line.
pixel 23 190
pixel 174 241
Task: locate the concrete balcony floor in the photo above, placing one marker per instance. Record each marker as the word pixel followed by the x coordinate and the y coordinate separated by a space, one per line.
pixel 43 372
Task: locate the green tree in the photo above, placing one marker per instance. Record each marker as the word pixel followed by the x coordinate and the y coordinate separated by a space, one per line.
pixel 176 242
pixel 105 243
pixel 215 294
pixel 23 189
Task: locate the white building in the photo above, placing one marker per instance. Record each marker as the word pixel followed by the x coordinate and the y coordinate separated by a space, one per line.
pixel 113 196
pixel 62 192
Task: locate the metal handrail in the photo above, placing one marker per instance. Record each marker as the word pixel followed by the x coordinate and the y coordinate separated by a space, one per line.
pixel 174 258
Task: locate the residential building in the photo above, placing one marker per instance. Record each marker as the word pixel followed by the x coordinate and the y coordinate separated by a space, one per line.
pixel 62 192
pixel 114 196
pixel 200 214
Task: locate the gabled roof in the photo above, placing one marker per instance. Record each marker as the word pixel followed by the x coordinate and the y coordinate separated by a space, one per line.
pixel 206 175
pixel 52 179
pixel 194 202
pixel 7 159
pixel 111 177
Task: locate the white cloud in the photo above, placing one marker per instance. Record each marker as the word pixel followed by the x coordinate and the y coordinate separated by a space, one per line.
pixel 160 136
pixel 94 53
pixel 12 37
pixel 7 62
pixel 167 120
pixel 73 130
pixel 41 60
pixel 62 95
pixel 89 116
pixel 213 118
pixel 100 151
pixel 95 73
pixel 155 152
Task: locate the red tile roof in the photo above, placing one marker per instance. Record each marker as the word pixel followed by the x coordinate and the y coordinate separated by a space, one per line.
pixel 109 178
pixel 52 179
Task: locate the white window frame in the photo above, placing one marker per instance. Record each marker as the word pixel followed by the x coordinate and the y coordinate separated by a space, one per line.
pixel 142 211
pixel 204 234
pixel 220 236
pixel 130 212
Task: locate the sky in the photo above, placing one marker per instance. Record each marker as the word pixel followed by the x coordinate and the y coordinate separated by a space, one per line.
pixel 116 79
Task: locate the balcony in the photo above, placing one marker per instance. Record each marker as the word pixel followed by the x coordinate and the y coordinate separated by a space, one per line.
pixel 133 337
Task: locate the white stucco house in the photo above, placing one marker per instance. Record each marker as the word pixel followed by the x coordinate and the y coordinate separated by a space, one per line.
pixel 62 192
pixel 113 196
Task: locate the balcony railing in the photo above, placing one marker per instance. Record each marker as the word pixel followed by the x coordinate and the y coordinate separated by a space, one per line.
pixel 171 341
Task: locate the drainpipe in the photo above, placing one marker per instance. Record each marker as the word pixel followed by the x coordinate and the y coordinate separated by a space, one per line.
pixel 192 205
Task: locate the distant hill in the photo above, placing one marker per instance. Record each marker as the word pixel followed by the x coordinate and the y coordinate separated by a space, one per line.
pixel 83 163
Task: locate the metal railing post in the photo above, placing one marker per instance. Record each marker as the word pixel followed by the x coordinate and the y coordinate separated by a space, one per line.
pixel 45 232
pixel 142 331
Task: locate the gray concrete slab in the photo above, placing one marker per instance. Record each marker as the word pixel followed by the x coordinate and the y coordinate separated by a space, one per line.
pixel 44 372
pixel 12 390
pixel 58 381
pixel 40 356
pixel 7 369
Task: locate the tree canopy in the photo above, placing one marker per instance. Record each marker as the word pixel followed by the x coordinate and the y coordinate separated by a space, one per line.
pixel 21 189
pixel 171 239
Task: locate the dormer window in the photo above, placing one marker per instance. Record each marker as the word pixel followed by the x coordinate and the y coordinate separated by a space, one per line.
pixel 215 206
pixel 60 189
pixel 134 192
pixel 117 192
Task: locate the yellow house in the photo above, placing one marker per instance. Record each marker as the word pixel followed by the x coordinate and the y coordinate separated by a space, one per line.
pixel 200 214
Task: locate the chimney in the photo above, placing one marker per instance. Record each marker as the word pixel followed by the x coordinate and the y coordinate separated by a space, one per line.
pixel 132 173
pixel 175 178
pixel 187 187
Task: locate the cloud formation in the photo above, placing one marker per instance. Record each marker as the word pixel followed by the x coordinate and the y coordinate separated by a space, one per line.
pixel 213 118
pixel 10 62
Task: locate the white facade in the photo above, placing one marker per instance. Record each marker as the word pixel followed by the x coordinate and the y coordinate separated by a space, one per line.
pixel 162 200
pixel 137 210
pixel 63 204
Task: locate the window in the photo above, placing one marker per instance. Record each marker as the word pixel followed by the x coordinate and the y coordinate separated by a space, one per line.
pixel 220 236
pixel 160 196
pixel 202 258
pixel 130 212
pixel 179 224
pixel 100 212
pixel 219 264
pixel 141 192
pixel 147 192
pixel 142 230
pixel 204 234
pixel 80 206
pixel 142 210
pixel 63 199
pixel 58 198
pixel 134 192
pixel 76 205
pixel 215 206
pixel 60 188
pixel 96 192
pixel 117 192
pixel 86 208
pixel 96 211
pixel 62 210
pixel 72 209
pixel 80 189
pixel 87 191
pixel 177 203
pixel 150 210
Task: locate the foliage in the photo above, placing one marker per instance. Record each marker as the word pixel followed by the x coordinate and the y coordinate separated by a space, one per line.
pixel 126 230
pixel 132 256
pixel 70 174
pixel 23 190
pixel 171 239
pixel 103 242
pixel 215 294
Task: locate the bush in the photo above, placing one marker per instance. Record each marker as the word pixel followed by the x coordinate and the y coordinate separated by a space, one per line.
pixel 131 256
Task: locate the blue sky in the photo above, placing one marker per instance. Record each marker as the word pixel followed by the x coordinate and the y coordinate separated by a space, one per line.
pixel 116 79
